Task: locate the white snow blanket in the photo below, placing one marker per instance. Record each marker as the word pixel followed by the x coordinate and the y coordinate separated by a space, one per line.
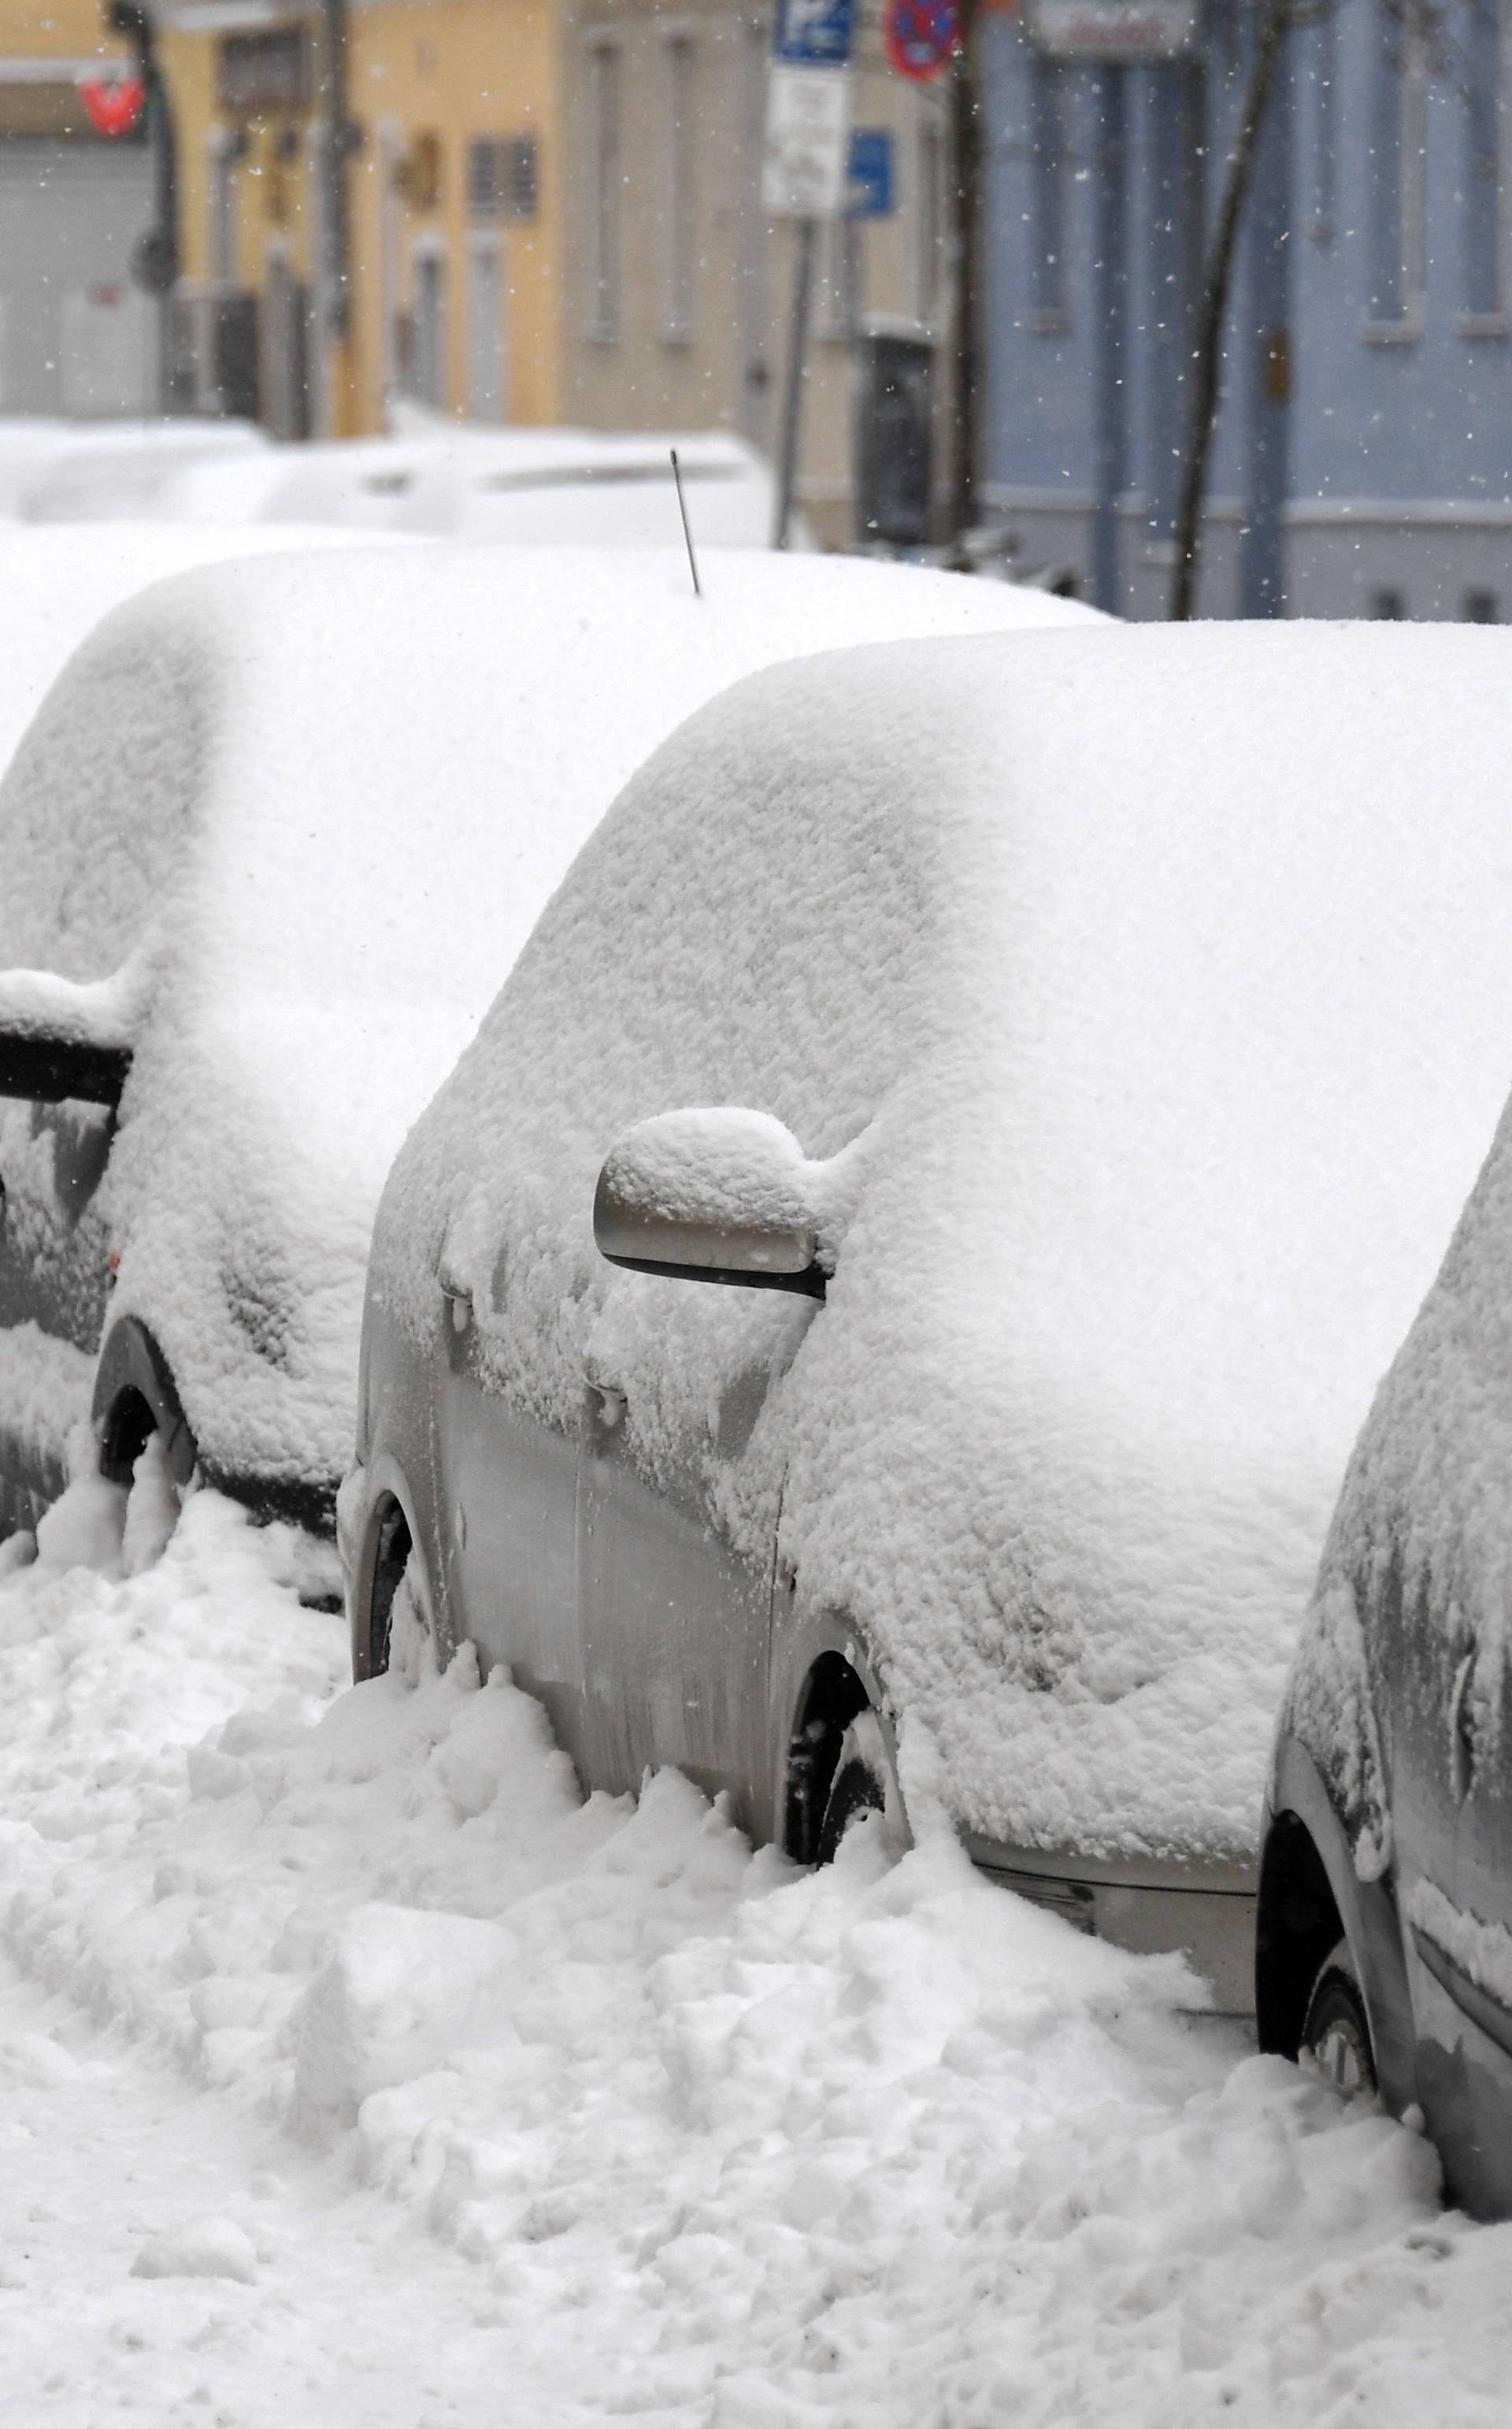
pixel 1141 1002
pixel 351 2067
pixel 299 816
pixel 57 583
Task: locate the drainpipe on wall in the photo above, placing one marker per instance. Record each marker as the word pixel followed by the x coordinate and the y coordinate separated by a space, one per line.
pixel 340 141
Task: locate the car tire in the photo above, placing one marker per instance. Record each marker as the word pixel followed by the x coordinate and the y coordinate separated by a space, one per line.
pixel 864 1782
pixel 1336 2036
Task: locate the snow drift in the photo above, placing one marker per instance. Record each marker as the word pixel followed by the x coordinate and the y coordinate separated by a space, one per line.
pixel 655 2127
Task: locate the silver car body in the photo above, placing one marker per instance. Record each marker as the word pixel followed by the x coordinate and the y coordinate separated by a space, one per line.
pixel 1029 944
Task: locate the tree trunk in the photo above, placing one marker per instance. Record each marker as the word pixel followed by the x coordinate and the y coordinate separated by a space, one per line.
pixel 1213 306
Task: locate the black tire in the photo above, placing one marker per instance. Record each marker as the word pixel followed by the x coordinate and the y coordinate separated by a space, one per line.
pixel 1336 2037
pixel 863 1783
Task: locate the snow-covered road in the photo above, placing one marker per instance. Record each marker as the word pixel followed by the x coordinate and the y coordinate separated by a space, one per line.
pixel 352 2069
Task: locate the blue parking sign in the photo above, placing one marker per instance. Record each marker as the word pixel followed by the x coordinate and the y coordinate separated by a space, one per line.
pixel 869 173
pixel 812 33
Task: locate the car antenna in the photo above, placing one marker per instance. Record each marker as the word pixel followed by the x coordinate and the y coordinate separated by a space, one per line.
pixel 687 530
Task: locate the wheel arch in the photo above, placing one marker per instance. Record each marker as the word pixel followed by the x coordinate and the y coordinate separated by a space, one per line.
pixel 390 1540
pixel 135 1396
pixel 1297 1920
pixel 1310 1898
pixel 837 1682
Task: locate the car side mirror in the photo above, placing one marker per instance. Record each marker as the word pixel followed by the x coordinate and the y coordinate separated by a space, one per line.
pixel 712 1193
pixel 62 1040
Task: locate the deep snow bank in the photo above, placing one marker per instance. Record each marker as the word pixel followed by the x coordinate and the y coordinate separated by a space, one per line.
pixel 727 2143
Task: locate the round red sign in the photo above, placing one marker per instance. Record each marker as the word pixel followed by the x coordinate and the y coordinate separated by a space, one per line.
pixel 920 37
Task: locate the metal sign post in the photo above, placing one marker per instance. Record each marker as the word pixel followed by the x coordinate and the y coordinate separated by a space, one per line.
pixel 803 178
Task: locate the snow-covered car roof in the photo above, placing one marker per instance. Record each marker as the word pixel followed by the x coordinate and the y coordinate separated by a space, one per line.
pixel 71 472
pixel 57 581
pixel 288 822
pixel 1146 994
pixel 562 486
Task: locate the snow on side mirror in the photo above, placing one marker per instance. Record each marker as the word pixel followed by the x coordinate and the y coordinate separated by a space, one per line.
pixel 712 1193
pixel 60 1039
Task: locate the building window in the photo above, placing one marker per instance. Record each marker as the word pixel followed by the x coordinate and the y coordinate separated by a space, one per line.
pixel 285 348
pixel 223 149
pixel 605 179
pixel 503 177
pixel 1482 607
pixel 1048 211
pixel 929 206
pixel 680 233
pixel 1481 210
pixel 426 380
pixel 1388 607
pixel 1321 80
pixel 486 361
pixel 264 72
pixel 1398 197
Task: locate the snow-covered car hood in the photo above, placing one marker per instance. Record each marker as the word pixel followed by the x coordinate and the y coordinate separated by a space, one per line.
pixel 1149 991
pixel 315 805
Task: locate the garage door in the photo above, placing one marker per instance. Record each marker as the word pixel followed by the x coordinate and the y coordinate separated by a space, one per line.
pixel 76 335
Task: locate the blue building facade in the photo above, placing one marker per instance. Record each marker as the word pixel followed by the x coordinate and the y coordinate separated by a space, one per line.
pixel 1363 456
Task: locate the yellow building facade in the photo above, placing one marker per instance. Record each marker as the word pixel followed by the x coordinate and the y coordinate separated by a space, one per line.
pixel 453 181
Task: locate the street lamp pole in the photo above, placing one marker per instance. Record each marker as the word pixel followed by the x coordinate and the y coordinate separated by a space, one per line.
pixel 155 267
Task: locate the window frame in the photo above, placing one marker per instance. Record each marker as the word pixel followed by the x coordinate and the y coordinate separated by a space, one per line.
pixel 676 66
pixel 604 57
pixel 1049 149
pixel 1488 319
pixel 1401 60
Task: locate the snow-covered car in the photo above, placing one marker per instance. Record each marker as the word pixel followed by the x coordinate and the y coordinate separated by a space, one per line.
pixel 1083 1041
pixel 522 487
pixel 263 854
pixel 1384 1925
pixel 77 471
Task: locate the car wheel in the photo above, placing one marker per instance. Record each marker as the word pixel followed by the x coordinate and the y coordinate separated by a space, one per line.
pixel 864 1782
pixel 1336 2038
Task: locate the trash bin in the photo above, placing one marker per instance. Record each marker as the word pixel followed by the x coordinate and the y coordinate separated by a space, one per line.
pixel 895 438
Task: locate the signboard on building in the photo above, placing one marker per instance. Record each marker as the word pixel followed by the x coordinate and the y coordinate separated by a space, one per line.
pixel 1121 32
pixel 808 110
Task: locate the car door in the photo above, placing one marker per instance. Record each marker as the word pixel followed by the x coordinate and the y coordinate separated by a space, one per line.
pixel 505 1488
pixel 676 1612
pixel 1427 1660
pixel 1476 1964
